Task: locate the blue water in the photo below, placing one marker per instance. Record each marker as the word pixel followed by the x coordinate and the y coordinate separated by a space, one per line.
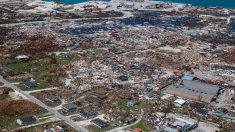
pixel 233 26
pixel 209 3
pixel 72 1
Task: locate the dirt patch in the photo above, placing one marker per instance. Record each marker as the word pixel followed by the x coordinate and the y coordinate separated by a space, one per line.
pixel 229 57
pixel 16 108
pixel 38 45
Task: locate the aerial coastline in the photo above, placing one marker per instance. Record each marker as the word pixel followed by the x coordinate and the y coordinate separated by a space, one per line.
pixel 209 3
pixel 116 66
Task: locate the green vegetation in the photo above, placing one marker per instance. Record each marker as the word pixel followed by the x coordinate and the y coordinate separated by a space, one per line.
pixel 44 119
pixel 8 122
pixel 76 118
pixel 185 107
pixel 23 87
pixel 17 68
pixel 44 115
pixel 123 104
pixel 40 69
pixel 142 125
pixel 92 128
pixel 99 50
pixel 4 97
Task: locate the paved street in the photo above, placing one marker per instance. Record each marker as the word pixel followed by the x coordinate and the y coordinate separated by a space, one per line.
pixel 38 102
pixel 39 90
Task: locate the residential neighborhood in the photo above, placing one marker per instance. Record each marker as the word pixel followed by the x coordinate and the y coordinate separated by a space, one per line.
pixel 116 66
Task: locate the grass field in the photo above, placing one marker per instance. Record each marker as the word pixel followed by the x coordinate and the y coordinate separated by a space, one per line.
pixel 39 69
pixel 92 128
pixel 4 97
pixel 10 122
pixel 142 125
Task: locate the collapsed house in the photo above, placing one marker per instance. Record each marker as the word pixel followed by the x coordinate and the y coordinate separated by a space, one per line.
pixel 223 70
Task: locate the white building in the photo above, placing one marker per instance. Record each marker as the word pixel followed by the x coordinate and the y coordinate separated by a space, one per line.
pixel 22 58
pixel 179 102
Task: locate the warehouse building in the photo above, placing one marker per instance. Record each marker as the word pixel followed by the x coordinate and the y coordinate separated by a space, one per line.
pixel 194 90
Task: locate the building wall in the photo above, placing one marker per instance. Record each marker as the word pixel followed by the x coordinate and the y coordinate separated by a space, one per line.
pixel 196 98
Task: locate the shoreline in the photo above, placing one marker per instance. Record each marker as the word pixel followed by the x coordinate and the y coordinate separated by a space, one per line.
pixel 165 1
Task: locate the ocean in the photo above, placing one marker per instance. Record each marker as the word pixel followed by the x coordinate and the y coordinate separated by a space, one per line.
pixel 72 1
pixel 210 3
pixel 233 26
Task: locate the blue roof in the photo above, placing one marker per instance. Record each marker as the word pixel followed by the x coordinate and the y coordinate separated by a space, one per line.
pixel 151 85
pixel 188 77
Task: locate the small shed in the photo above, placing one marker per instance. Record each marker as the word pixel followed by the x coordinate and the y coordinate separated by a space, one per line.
pixel 179 102
pixel 20 58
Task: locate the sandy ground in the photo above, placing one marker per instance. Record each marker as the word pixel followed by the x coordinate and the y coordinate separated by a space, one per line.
pixel 39 90
pixel 49 7
pixel 170 49
pixel 16 95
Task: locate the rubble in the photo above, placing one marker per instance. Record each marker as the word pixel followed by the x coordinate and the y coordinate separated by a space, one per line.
pixel 122 63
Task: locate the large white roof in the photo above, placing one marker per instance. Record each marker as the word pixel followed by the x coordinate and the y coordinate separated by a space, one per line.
pixel 180 101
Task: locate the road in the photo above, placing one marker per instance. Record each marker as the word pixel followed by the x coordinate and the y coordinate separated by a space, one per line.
pixel 127 126
pixel 40 90
pixel 126 14
pixel 38 102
